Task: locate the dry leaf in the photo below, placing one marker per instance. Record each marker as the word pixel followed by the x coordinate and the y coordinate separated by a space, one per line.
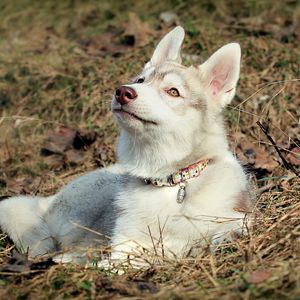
pixel 103 44
pixel 55 161
pixel 103 154
pixel 281 31
pixel 125 287
pixel 294 156
pixel 17 263
pixel 19 185
pixel 259 276
pixel 74 157
pixel 137 33
pixel 20 263
pixel 84 138
pixel 58 141
pixel 256 156
pixel 264 160
pixel 65 146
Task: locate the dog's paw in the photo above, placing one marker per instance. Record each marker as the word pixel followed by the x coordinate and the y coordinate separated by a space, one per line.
pixel 70 257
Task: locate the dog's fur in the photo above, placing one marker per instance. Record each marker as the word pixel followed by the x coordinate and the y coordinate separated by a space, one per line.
pixel 160 135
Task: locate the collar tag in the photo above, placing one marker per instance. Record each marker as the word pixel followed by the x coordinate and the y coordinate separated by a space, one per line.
pixel 181 192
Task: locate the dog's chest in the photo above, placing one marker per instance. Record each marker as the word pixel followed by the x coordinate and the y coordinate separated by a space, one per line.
pixel 150 214
pixel 150 202
pixel 146 208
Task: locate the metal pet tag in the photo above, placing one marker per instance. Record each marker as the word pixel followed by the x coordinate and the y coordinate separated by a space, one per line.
pixel 181 192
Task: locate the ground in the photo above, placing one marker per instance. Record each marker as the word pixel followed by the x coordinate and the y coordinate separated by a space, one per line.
pixel 60 62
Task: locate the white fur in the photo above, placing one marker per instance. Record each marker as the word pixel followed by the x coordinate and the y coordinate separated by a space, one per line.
pixel 207 214
pixel 169 47
pixel 176 132
pixel 21 218
pixel 221 73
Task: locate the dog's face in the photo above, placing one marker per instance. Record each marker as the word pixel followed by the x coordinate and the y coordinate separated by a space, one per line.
pixel 167 95
pixel 172 103
pixel 160 100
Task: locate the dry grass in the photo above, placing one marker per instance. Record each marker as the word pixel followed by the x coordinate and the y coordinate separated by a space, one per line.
pixel 54 74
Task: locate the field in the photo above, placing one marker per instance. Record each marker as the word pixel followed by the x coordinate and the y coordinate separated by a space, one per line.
pixel 60 62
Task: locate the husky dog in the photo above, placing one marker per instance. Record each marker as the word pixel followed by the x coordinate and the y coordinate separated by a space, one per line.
pixel 176 186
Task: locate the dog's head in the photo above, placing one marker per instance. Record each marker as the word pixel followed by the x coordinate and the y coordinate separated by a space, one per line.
pixel 166 110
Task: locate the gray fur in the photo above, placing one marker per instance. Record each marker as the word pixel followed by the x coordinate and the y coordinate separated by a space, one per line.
pixel 93 195
pixel 87 202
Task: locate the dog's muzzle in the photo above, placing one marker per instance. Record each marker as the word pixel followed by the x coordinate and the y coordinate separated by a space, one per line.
pixel 125 95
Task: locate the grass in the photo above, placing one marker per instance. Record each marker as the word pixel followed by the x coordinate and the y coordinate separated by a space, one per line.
pixel 55 73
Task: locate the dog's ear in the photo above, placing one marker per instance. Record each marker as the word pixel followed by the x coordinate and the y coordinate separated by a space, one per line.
pixel 221 73
pixel 168 48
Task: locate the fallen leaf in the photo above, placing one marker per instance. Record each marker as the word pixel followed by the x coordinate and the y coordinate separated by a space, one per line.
pixel 294 156
pixel 259 276
pixel 74 157
pixel 103 155
pixel 19 263
pixel 19 185
pixel 84 138
pixel 125 287
pixel 23 185
pixel 278 28
pixel 147 286
pixel 58 141
pixel 264 160
pixel 137 33
pixel 257 25
pixel 103 44
pixel 55 161
pixel 256 156
pixel 66 146
pixel 119 40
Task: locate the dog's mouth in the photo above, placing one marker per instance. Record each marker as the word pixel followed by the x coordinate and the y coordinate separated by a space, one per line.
pixel 122 111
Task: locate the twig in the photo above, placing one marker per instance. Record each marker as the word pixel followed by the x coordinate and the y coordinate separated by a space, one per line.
pixel 286 164
pixel 90 230
pixel 265 86
pixel 38 187
pixel 152 240
pixel 265 188
pixel 161 238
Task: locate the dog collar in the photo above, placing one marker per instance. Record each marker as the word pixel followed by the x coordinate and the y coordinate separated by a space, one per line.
pixel 180 177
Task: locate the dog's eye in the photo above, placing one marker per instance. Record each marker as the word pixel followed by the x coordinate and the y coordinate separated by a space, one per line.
pixel 173 92
pixel 140 80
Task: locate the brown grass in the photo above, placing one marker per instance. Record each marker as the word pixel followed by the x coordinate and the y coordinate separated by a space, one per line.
pixel 53 73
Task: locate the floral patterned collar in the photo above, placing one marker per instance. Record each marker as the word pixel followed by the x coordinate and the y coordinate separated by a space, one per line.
pixel 180 177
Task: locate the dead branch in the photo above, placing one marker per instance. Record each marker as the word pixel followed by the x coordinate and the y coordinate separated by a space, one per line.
pixel 286 164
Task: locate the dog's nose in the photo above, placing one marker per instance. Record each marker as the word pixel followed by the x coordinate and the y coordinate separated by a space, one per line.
pixel 125 94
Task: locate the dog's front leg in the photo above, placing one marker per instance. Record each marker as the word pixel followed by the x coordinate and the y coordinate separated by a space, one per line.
pixel 125 255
